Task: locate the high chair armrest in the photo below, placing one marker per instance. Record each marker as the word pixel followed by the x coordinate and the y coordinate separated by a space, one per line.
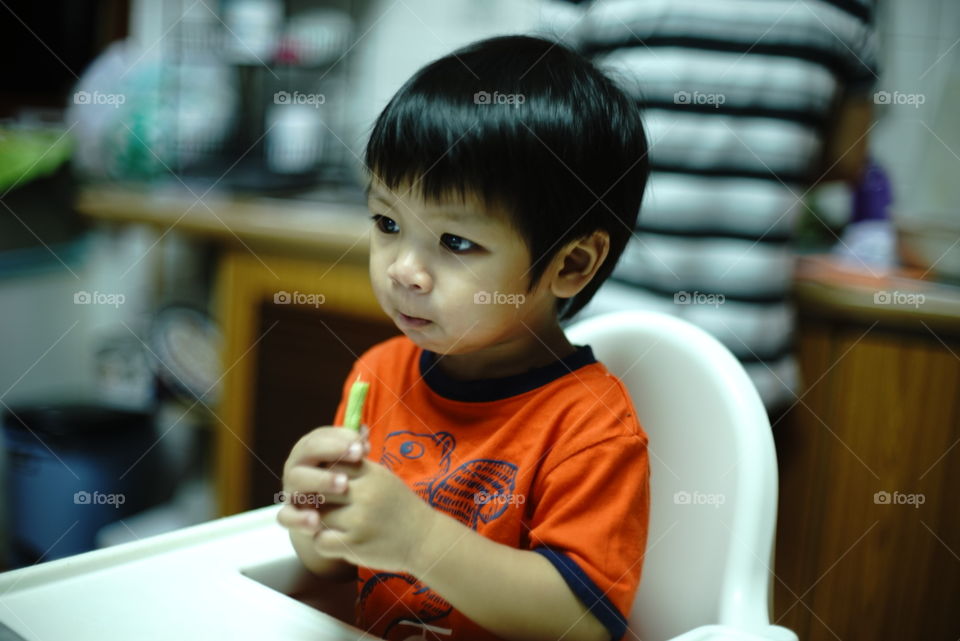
pixel 731 633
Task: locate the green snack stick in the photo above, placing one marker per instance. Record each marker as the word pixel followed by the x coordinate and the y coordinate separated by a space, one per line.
pixel 358 394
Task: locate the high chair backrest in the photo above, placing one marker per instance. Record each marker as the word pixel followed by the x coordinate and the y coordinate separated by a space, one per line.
pixel 713 473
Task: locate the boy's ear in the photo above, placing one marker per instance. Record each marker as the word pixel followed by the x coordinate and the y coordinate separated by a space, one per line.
pixel 577 263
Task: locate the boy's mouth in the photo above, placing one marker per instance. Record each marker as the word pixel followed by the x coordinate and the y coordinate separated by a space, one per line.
pixel 413 321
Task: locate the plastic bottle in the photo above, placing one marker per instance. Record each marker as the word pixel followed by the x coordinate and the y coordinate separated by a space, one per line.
pixel 869 241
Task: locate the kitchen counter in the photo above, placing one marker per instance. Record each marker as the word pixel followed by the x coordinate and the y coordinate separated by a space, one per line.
pixel 902 300
pixel 331 227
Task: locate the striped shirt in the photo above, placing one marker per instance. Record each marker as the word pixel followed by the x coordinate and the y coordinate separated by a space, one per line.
pixel 736 98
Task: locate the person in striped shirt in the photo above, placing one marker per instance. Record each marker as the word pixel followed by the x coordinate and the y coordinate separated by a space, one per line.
pixel 748 104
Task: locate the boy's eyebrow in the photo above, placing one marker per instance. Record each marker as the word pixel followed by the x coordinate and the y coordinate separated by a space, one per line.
pixel 371 192
pixel 461 216
pixel 455 214
pixel 374 192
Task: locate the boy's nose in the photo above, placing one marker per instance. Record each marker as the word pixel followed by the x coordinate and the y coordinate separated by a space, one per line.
pixel 407 271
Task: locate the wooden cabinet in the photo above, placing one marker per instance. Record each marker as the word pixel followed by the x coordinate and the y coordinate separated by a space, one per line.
pixel 292 332
pixel 868 543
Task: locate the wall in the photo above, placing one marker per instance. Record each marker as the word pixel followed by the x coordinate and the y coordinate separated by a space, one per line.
pixel 920 51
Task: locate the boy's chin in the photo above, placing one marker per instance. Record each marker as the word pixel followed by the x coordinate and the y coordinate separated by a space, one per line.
pixel 418 339
pixel 443 347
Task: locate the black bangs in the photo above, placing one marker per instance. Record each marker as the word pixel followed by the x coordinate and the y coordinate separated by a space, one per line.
pixel 525 125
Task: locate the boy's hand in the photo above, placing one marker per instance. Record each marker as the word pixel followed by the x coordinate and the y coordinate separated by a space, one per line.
pixel 354 509
pixel 315 475
pixel 381 524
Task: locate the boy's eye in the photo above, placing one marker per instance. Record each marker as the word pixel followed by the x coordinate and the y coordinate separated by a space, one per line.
pixel 457 243
pixel 384 224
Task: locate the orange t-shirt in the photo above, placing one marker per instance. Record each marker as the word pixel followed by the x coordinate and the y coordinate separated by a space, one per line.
pixel 552 460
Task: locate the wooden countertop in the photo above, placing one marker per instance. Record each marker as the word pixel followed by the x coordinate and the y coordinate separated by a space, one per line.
pixel 900 300
pixel 295 225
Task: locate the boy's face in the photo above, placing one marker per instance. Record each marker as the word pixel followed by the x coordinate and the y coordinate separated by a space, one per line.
pixel 453 276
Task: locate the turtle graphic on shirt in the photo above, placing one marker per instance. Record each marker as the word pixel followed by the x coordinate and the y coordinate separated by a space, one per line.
pixel 468 493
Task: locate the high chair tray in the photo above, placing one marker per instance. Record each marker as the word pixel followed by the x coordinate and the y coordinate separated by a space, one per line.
pixel 226 579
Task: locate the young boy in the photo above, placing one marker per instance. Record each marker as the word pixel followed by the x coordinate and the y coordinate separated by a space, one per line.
pixel 501 488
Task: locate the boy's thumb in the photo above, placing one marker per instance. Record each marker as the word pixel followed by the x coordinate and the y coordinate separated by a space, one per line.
pixel 333 543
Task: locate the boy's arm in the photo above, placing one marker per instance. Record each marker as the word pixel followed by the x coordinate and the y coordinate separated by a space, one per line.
pixel 516 594
pixel 846 143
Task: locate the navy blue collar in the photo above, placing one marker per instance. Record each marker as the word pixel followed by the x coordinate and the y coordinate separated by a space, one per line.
pixel 495 389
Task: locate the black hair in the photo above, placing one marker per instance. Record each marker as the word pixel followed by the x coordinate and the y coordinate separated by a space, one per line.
pixel 530 126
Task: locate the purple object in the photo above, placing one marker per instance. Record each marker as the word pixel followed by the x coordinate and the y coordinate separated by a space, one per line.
pixel 872 198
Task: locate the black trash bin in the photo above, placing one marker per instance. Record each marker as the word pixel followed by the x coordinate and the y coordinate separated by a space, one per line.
pixel 73 468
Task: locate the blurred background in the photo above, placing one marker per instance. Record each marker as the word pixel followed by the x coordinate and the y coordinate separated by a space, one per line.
pixel 183 281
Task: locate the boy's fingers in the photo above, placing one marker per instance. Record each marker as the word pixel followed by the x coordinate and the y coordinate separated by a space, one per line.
pixel 327 445
pixel 352 470
pixel 306 521
pixel 312 486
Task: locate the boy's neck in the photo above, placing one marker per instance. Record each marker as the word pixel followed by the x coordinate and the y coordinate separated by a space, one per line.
pixel 520 354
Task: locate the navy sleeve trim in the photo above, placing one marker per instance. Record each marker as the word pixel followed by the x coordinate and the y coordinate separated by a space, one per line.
pixel 587 591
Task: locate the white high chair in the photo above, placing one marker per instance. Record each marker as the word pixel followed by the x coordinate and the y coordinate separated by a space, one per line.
pixel 706 573
pixel 707 568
